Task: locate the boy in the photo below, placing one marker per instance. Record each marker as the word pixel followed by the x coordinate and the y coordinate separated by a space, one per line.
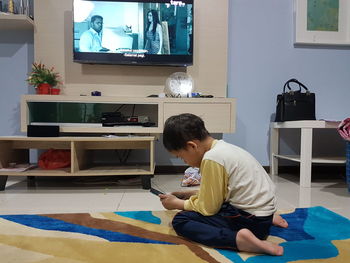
pixel 235 204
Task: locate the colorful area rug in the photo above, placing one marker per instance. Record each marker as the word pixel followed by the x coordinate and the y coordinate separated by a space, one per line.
pixel 314 235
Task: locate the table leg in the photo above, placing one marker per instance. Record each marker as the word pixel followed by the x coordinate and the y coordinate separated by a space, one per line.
pixel 146 181
pixel 3 180
pixel 304 196
pixel 274 142
pixel 31 182
pixel 305 157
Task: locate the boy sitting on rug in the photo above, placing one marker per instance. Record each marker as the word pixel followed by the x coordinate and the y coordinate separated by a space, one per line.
pixel 235 204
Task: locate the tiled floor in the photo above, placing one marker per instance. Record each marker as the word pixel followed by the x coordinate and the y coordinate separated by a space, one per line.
pixel 58 195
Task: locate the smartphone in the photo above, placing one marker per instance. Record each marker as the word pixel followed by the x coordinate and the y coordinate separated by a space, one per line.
pixel 156 192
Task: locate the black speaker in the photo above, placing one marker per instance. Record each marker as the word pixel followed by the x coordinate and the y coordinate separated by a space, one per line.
pixel 43 131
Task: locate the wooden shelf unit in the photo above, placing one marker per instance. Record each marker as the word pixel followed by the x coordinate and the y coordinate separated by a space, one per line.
pixel 218 113
pixel 16 150
pixel 15 22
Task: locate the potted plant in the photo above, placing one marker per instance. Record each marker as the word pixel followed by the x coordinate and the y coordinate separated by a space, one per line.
pixel 44 79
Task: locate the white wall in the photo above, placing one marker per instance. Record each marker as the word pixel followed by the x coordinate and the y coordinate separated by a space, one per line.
pixel 16 56
pixel 262 58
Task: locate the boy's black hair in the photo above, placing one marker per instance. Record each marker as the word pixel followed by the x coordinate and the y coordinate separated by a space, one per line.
pixel 180 129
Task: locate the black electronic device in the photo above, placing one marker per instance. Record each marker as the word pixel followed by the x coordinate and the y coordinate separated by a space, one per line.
pixel 110 117
pixel 128 123
pixel 127 35
pixel 156 192
pixel 43 131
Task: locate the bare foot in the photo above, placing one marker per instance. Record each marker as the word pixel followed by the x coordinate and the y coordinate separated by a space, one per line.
pixel 279 221
pixel 247 242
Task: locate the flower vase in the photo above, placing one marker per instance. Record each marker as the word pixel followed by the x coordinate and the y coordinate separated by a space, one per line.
pixel 55 91
pixel 43 89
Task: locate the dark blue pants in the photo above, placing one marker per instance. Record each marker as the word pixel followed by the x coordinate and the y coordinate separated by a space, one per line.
pixel 220 230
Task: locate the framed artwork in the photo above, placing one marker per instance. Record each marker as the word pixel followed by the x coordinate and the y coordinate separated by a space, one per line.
pixel 322 22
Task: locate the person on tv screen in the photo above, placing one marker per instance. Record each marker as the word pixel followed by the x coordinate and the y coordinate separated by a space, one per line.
pixel 154 36
pixel 91 40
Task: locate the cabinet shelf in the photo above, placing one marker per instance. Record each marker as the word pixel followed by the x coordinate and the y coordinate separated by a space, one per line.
pixel 15 22
pixel 93 171
pixel 40 172
pixel 296 158
pixel 115 170
pixel 15 149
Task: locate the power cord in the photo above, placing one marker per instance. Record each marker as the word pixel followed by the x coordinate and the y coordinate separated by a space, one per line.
pixel 123 155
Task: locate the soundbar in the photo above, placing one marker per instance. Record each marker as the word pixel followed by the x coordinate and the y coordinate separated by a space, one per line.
pixel 43 131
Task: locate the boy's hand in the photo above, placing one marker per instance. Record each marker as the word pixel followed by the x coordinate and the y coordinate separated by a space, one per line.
pixel 171 202
pixel 184 195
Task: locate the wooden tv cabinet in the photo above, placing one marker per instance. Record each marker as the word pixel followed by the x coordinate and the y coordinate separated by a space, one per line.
pixel 81 115
pixel 16 150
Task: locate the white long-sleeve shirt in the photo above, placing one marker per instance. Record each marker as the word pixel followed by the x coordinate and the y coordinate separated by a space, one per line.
pixel 90 41
pixel 231 174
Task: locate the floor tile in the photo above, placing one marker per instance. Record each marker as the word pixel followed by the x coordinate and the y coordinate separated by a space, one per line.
pixel 170 183
pixel 140 200
pixel 64 195
pixel 344 211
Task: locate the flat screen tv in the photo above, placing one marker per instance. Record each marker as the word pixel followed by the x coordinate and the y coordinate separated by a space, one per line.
pixel 133 32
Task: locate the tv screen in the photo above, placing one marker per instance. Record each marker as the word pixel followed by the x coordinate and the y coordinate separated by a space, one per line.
pixel 141 32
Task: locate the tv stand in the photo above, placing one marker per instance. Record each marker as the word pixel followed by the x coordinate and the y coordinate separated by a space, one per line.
pixel 16 150
pixel 71 114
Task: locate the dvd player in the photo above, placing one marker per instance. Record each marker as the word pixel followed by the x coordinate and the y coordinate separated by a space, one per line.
pixel 128 123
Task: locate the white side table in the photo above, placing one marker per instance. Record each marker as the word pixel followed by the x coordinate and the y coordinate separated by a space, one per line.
pixel 305 159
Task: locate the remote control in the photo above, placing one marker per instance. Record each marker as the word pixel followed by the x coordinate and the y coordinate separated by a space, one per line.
pixel 155 191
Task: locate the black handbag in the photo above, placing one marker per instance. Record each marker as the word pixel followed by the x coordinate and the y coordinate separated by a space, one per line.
pixel 295 105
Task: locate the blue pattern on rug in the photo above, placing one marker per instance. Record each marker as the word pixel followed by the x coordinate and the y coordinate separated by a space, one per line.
pixel 328 224
pixel 312 249
pixel 296 230
pixel 231 255
pixel 47 223
pixel 315 225
pixel 145 216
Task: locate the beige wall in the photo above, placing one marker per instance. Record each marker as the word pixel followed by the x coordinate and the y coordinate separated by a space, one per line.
pixel 53 46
